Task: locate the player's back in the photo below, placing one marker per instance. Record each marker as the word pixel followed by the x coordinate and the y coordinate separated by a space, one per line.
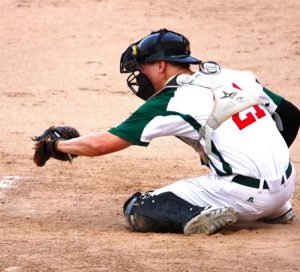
pixel 251 144
pixel 248 142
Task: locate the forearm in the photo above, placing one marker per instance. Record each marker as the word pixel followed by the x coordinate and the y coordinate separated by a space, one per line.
pixel 91 145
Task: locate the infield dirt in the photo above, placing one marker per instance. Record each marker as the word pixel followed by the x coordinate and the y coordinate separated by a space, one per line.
pixel 60 65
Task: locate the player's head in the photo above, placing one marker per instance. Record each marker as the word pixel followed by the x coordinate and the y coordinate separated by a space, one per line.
pixel 159 45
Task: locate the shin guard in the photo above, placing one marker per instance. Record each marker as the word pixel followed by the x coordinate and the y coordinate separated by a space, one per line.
pixel 165 212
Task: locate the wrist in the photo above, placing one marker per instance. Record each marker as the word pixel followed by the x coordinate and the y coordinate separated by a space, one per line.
pixel 56 143
pixel 53 147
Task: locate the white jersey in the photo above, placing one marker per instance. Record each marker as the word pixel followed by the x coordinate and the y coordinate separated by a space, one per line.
pixel 246 143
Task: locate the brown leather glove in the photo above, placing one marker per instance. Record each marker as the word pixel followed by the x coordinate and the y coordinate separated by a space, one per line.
pixel 45 144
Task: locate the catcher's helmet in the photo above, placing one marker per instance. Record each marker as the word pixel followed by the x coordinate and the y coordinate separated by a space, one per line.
pixel 159 45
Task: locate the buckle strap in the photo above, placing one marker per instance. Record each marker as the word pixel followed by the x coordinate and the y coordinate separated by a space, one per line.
pixel 288 171
pixel 254 182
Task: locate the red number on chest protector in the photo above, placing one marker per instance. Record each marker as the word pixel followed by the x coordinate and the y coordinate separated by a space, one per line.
pixel 249 119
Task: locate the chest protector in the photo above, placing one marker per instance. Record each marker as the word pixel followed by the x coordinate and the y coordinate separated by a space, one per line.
pixel 229 98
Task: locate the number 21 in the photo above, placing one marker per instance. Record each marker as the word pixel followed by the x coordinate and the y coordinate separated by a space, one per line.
pixel 250 117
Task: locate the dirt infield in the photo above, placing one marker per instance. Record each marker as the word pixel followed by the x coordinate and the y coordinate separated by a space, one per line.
pixel 60 65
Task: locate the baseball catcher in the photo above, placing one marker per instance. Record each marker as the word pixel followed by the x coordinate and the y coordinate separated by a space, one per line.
pixel 241 130
pixel 45 144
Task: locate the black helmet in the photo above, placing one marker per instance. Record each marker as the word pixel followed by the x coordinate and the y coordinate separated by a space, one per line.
pixel 159 45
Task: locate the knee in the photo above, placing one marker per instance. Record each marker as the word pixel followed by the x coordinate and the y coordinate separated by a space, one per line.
pixel 137 210
pixel 129 209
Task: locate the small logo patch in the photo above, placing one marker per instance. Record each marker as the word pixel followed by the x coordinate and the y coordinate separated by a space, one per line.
pixel 250 199
pixel 228 95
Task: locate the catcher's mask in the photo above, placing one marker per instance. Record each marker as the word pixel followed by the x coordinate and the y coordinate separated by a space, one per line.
pixel 159 45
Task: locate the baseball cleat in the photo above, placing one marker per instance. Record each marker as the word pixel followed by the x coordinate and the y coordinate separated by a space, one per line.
pixel 286 218
pixel 211 222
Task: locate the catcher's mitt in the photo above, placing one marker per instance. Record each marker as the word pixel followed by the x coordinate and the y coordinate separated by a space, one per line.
pixel 45 144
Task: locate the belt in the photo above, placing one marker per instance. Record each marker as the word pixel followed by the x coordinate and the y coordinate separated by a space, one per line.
pixel 254 183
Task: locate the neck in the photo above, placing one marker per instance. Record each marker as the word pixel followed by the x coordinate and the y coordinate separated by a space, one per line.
pixel 167 70
pixel 173 72
pixel 169 75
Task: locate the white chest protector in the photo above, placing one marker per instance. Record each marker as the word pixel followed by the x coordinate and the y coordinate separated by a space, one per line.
pixel 229 98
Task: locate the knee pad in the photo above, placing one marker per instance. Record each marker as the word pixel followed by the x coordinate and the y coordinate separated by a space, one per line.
pixel 165 212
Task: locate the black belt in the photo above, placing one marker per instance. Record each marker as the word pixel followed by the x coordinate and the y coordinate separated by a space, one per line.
pixel 254 183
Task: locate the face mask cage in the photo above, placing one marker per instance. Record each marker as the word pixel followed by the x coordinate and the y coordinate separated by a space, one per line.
pixel 140 85
pixel 132 82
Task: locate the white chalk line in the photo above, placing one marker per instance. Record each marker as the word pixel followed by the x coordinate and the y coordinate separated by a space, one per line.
pixel 7 182
pixel 12 269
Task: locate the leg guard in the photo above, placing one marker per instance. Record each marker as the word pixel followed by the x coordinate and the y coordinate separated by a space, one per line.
pixel 165 212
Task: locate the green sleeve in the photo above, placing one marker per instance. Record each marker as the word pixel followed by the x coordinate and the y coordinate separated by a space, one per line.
pixel 122 131
pixel 133 128
pixel 274 97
